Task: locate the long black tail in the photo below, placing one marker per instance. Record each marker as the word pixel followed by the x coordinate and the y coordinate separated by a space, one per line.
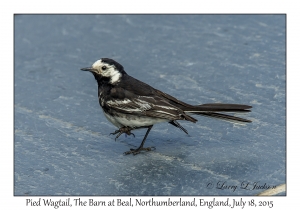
pixel 211 110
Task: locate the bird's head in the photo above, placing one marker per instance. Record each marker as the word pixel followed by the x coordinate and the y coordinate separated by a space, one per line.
pixel 106 69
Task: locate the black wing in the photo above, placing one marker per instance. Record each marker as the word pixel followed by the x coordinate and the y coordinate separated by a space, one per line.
pixel 125 101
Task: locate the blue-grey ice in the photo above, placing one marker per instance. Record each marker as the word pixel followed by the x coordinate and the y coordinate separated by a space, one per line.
pixel 62 144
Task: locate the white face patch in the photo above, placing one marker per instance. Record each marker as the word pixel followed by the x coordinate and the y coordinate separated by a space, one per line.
pixel 97 64
pixel 110 71
pixel 115 77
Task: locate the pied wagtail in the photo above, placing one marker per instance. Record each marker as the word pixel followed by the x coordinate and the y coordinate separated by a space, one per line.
pixel 131 104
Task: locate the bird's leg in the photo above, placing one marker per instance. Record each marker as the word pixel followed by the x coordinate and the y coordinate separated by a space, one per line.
pixel 126 130
pixel 138 150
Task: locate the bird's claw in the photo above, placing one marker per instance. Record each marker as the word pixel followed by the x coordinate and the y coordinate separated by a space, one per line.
pixel 114 133
pixel 130 134
pixel 137 151
pixel 126 130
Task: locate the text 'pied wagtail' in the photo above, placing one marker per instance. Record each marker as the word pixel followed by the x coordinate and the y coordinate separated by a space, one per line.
pixel 131 104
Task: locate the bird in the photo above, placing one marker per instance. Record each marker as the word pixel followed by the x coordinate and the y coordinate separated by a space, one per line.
pixel 130 104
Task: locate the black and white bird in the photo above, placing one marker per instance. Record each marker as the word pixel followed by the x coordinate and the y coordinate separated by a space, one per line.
pixel 131 104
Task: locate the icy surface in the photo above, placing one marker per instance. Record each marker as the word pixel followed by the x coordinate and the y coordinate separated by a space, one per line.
pixel 62 142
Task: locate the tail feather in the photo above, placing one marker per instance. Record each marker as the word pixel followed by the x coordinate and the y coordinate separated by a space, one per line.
pixel 221 108
pixel 222 116
pixel 211 110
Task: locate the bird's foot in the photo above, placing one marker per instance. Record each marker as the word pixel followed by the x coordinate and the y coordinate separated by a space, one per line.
pixel 138 150
pixel 126 130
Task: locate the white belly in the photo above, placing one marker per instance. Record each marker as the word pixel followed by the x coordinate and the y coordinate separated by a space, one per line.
pixel 133 121
pixel 112 120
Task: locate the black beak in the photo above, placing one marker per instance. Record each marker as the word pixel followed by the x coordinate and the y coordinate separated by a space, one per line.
pixel 87 69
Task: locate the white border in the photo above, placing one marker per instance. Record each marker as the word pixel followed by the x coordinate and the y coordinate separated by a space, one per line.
pixel 8 201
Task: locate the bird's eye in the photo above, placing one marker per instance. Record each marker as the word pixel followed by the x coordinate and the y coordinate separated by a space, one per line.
pixel 103 67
